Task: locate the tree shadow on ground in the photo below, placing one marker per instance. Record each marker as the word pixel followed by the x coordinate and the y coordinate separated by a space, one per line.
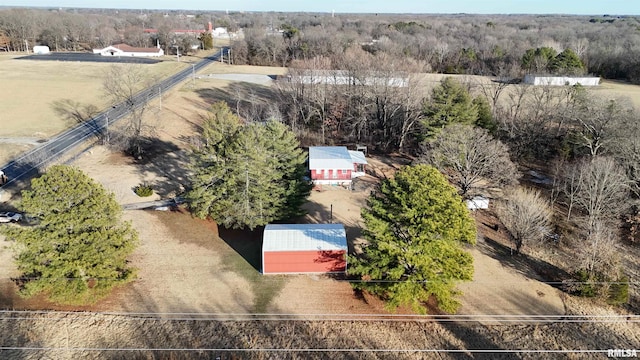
pixel 167 164
pixel 524 264
pixel 242 97
pixel 247 243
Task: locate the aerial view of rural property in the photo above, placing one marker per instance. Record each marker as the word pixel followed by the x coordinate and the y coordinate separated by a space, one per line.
pixel 336 179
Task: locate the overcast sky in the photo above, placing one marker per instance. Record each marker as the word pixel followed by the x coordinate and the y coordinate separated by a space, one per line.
pixel 590 7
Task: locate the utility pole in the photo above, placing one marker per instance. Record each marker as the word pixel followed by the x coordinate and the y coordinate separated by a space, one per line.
pixel 177 51
pixel 106 128
pixel 160 96
pixel 193 74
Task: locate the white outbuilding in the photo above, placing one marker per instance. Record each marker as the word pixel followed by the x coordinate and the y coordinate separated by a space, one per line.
pixel 561 80
pixel 41 50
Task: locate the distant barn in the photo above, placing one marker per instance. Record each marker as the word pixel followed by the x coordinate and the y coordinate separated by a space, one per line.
pixel 561 80
pixel 304 248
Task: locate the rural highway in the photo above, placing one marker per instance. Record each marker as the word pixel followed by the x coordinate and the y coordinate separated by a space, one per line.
pixel 29 163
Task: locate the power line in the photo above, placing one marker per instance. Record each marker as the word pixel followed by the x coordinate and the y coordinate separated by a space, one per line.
pixel 351 281
pixel 324 317
pixel 314 350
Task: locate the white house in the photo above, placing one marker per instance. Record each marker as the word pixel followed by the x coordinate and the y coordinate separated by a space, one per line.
pixel 335 165
pixel 126 50
pixel 220 32
pixel 561 80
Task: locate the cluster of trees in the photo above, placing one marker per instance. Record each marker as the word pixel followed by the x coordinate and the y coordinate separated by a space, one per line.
pixel 247 175
pixel 84 29
pixel 464 44
pixel 547 61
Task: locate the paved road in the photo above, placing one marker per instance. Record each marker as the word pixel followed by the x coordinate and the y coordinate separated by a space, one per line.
pixel 29 164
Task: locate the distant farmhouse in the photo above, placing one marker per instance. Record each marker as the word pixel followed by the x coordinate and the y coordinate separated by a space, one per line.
pixel 126 50
pixel 561 80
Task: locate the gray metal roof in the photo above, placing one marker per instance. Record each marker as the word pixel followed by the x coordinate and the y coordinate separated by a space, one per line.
pixel 329 157
pixel 304 237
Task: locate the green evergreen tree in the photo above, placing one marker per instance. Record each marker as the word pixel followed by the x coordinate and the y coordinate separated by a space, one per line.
pixel 415 225
pixel 290 161
pixel 485 118
pixel 210 162
pixel 567 63
pixel 539 59
pixel 247 175
pixel 76 253
pixel 450 103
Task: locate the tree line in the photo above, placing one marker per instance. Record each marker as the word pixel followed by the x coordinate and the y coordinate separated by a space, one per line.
pixel 493 45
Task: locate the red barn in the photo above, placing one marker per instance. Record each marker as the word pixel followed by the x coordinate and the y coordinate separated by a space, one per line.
pixel 304 248
pixel 335 165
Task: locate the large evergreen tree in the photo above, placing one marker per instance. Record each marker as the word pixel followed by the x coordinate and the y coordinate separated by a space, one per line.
pixel 247 175
pixel 77 250
pixel 416 225
pixel 450 103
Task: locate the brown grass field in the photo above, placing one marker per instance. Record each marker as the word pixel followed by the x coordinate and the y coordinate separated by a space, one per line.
pixel 30 87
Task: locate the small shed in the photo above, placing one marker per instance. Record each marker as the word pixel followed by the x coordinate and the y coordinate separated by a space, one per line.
pixel 304 249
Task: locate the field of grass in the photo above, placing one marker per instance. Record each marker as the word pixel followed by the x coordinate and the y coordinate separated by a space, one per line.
pixel 29 89
pixel 620 89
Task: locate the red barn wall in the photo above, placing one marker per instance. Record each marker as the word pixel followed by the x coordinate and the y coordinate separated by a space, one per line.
pixel 304 261
pixel 330 174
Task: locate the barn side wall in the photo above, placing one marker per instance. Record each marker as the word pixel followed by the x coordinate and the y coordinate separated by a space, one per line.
pixel 299 262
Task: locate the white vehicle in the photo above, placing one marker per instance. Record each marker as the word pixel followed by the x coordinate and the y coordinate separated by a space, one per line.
pixel 6 217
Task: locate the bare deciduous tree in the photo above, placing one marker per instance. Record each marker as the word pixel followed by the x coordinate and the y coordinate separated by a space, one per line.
pixel 602 189
pixel 469 156
pixel 598 255
pixel 121 85
pixel 526 216
pixel 596 122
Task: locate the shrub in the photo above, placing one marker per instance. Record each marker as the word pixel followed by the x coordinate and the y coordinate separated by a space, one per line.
pixel 619 291
pixel 143 190
pixel 586 287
